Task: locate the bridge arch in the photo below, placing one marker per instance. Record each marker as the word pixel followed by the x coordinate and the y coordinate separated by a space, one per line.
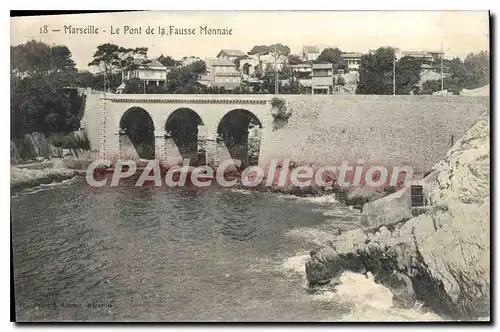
pixel 137 134
pixel 185 129
pixel 240 132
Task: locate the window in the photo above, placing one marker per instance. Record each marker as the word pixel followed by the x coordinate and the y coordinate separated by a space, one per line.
pixel 321 73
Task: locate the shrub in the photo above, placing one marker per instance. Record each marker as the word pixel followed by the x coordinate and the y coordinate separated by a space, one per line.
pixel 280 113
pixel 70 141
pixel 280 105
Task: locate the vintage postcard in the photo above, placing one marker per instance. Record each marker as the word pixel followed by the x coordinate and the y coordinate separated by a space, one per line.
pixel 233 166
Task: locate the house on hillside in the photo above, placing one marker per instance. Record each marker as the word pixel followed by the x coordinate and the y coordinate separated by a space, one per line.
pixel 231 55
pixel 207 78
pixel 310 53
pixel 302 73
pixel 224 74
pixel 322 78
pixel 427 57
pixel 352 60
pixel 151 71
pixel 269 62
pixel 428 73
pixel 436 55
pixel 248 65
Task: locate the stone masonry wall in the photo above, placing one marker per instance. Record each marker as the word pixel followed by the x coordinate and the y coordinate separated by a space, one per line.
pixel 384 130
pixel 329 129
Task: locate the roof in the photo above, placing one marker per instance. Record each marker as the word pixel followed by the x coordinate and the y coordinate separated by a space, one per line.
pixel 301 65
pixel 352 55
pixel 223 62
pixel 232 52
pixel 426 66
pixel 322 66
pixel 415 53
pixel 429 75
pixel 151 63
pixel 310 49
pixel 210 60
pixel 434 52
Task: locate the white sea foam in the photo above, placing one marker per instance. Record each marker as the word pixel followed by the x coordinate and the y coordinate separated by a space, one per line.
pixel 327 199
pixel 241 191
pixel 284 197
pixel 369 301
pixel 295 264
pixel 319 237
pixel 366 300
pixel 32 191
pixel 60 183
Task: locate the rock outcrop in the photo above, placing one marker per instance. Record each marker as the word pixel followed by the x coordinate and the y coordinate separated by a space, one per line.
pixel 25 177
pixel 440 257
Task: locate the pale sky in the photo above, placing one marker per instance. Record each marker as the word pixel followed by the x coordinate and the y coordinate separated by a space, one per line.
pixel 460 32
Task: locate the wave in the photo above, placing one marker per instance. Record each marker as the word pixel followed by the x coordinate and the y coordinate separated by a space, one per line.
pixel 241 191
pixel 327 199
pixel 369 302
pixel 60 183
pixel 295 265
pixel 358 295
pixel 318 237
pixel 35 190
pixel 48 186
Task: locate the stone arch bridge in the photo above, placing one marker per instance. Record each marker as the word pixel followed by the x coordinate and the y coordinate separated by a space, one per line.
pixel 205 128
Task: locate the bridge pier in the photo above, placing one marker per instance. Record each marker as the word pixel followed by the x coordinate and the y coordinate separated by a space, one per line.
pixel 160 146
pixel 118 145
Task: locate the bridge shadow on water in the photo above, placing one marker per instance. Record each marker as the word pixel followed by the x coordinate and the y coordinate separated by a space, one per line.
pixel 239 131
pixel 185 128
pixel 137 129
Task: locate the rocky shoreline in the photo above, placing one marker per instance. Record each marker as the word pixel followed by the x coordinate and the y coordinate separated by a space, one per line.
pixel 46 171
pixel 437 256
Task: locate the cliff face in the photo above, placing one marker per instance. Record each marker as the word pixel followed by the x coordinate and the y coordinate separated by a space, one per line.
pixel 441 257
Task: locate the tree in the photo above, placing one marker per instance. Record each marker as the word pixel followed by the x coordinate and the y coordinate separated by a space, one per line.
pixel 431 86
pixel 341 81
pixel 167 61
pixel 39 102
pixel 185 79
pixel 294 59
pixel 375 72
pixel 277 50
pixel 126 56
pixel 35 59
pixel 40 105
pixel 110 57
pixel 259 50
pixel 333 56
pixel 293 87
pixel 134 85
pixel 86 79
pixel 478 69
pixel 407 74
pixel 457 76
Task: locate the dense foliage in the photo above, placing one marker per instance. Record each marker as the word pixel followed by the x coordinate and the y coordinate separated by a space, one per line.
pixel 39 75
pixel 333 56
pixel 376 73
